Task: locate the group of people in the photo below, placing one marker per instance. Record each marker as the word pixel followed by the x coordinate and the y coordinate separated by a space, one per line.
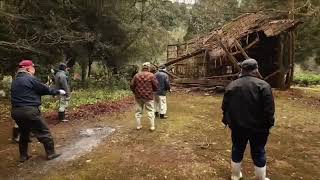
pixel 150 94
pixel 26 92
pixel 248 109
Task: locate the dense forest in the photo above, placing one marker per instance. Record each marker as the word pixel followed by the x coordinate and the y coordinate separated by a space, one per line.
pixel 115 33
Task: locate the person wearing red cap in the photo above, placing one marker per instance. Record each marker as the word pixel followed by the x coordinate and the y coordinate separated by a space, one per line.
pixel 26 92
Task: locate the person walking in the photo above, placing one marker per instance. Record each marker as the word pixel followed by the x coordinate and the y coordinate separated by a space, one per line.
pixel 248 109
pixel 160 96
pixel 143 85
pixel 61 82
pixel 26 92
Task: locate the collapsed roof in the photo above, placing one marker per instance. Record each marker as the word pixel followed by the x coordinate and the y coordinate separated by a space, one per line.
pixel 234 38
pixel 242 26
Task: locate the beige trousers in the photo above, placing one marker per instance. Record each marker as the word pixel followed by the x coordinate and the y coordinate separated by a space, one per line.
pixel 161 104
pixel 142 104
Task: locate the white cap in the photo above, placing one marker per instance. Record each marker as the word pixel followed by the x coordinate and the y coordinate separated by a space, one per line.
pixel 146 65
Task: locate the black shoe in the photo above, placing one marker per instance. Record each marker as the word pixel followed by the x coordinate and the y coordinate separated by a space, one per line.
pixel 62 116
pixel 53 156
pixel 162 116
pixel 24 158
pixel 156 114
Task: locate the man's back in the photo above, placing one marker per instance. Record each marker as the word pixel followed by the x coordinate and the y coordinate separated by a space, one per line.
pixel 144 84
pixel 61 81
pixel 248 103
pixel 163 80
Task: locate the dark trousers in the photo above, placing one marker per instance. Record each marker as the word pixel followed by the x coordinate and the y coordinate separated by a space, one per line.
pixel 257 140
pixel 29 119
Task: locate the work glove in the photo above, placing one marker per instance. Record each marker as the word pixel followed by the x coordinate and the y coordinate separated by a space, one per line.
pixel 62 92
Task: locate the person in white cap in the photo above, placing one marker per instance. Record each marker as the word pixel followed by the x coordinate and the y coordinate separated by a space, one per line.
pixel 248 109
pixel 160 96
pixel 143 85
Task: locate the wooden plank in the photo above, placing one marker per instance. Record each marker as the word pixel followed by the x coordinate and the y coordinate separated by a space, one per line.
pixel 241 50
pixel 271 75
pixel 231 58
pixel 184 57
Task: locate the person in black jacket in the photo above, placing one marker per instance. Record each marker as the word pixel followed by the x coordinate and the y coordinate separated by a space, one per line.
pixel 248 109
pixel 26 92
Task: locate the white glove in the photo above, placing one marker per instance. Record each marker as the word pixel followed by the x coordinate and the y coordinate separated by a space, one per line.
pixel 62 92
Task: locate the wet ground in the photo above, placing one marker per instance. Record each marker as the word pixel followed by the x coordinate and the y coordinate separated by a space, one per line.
pixel 191 144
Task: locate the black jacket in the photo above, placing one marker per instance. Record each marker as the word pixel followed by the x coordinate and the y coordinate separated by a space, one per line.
pixel 26 90
pixel 248 103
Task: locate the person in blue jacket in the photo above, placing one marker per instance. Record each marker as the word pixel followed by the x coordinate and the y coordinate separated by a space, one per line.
pixel 26 92
pixel 160 96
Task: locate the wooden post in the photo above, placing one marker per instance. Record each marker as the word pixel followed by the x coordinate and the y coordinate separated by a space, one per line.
pixel 231 58
pixel 242 50
pixel 281 74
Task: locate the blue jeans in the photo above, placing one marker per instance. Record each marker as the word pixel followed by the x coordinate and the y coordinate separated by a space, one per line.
pixel 257 140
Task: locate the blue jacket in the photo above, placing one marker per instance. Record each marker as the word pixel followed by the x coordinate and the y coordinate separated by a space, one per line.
pixel 26 90
pixel 164 84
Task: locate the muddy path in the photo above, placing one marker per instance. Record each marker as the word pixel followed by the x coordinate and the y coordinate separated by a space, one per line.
pixel 191 144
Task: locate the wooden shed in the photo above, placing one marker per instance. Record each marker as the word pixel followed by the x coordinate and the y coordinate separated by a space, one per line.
pixel 212 59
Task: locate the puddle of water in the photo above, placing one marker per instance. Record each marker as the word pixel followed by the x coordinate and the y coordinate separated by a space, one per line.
pixel 89 139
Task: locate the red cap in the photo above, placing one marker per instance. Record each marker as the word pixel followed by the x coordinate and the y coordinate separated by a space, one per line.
pixel 26 63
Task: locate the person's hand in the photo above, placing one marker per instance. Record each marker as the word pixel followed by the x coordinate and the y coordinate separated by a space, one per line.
pixel 62 92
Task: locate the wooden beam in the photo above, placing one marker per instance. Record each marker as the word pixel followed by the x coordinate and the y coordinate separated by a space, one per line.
pixel 224 76
pixel 184 57
pixel 272 74
pixel 231 58
pixel 248 47
pixel 242 50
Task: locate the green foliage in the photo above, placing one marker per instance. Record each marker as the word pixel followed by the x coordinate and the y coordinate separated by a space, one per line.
pixel 307 79
pixel 88 96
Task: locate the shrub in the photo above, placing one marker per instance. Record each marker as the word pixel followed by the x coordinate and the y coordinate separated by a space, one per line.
pixel 87 96
pixel 307 79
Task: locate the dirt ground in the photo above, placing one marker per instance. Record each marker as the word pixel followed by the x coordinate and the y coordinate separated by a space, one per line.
pixel 191 144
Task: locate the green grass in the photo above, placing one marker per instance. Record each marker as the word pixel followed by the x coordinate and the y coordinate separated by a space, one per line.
pixel 88 96
pixel 307 79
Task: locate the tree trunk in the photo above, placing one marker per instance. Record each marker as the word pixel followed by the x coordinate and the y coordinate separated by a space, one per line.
pixel 90 67
pixel 83 73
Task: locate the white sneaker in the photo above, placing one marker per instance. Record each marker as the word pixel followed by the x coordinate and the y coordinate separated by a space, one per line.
pixel 236 171
pixel 64 120
pixel 260 173
pixel 139 127
pixel 152 128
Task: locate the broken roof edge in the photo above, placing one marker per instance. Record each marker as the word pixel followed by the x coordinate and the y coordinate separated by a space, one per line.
pixel 262 17
pixel 235 30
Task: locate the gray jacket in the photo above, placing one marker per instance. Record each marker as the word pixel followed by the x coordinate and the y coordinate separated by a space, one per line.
pixel 61 81
pixel 164 84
